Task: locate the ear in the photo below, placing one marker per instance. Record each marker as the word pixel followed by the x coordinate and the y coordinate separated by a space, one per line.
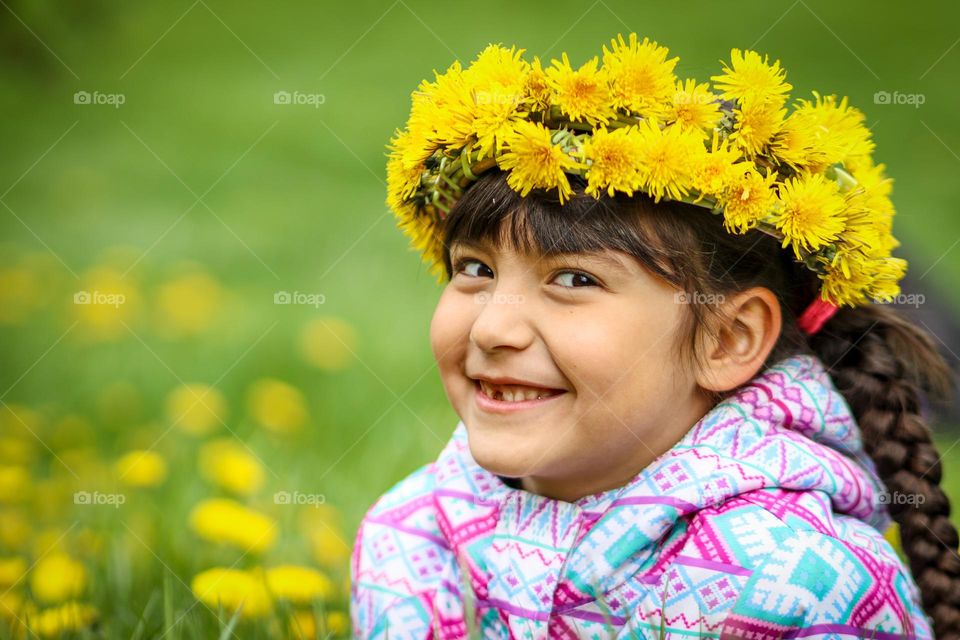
pixel 743 336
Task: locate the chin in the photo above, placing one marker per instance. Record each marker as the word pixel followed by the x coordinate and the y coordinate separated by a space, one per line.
pixel 497 454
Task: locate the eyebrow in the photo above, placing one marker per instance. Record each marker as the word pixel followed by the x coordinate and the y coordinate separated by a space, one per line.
pixel 596 256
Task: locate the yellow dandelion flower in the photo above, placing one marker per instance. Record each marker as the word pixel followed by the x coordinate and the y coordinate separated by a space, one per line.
pixel 885 278
pixel 497 66
pixel 233 589
pixel 328 342
pixel 298 584
pixel 64 619
pixel 751 79
pixel 668 158
pixel 408 154
pixel 641 76
pixel 614 161
pixel 329 545
pixel 15 484
pixel 442 111
pixel 12 571
pixel 717 169
pixel 583 95
pixel 844 290
pixel 188 304
pixel 228 522
pixel 497 79
pixel 796 143
pixel 537 87
pixel 57 577
pixel 276 405
pixel 755 126
pixel 197 409
pixel 535 162
pixel 837 130
pixel 810 212
pixel 230 465
pixel 141 468
pixel 747 200
pixel 694 107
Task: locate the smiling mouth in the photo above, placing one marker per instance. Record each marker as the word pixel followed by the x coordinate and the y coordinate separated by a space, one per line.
pixel 514 392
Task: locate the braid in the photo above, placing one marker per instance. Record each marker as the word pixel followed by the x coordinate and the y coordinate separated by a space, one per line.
pixel 881 363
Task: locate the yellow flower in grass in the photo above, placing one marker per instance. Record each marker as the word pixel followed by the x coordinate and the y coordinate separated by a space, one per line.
pixel 810 212
pixel 233 589
pixel 717 169
pixel 15 484
pixel 584 94
pixel 141 468
pixel 751 79
pixel 641 76
pixel 12 570
pixel 15 609
pixel 747 200
pixel 535 162
pixel 231 466
pixel 328 342
pixel 694 107
pixel 303 625
pixel 755 126
pixel 228 522
pixel 277 406
pixel 668 158
pixel 66 618
pixel 197 409
pixel 614 159
pixel 57 577
pixel 299 585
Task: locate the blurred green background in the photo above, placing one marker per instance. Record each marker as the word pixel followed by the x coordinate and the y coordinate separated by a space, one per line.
pixel 144 155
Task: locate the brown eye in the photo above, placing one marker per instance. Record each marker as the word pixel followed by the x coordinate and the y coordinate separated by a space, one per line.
pixel 465 265
pixel 576 279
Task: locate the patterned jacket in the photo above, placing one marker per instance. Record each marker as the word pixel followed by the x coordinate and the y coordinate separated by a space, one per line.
pixel 764 521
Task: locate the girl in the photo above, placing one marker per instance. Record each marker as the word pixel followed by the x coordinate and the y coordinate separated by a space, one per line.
pixel 684 410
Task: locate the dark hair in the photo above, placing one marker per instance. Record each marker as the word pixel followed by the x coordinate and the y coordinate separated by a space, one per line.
pixel 880 362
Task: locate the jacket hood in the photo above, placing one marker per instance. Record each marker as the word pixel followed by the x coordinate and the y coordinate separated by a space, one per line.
pixel 788 428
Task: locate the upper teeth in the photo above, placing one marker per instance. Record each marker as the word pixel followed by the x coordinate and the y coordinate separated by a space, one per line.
pixel 513 393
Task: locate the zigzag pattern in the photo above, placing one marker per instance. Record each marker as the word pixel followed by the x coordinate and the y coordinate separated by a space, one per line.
pixel 764 520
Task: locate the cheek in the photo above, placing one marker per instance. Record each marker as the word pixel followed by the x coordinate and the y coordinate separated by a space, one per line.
pixel 449 331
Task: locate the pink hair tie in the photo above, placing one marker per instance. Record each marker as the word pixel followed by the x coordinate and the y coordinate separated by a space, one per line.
pixel 815 315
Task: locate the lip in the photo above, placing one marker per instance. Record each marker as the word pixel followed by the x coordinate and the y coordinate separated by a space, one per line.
pixel 488 404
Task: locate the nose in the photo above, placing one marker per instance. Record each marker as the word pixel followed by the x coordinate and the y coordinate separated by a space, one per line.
pixel 502 322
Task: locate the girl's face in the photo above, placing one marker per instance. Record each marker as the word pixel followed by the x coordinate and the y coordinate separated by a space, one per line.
pixel 592 334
